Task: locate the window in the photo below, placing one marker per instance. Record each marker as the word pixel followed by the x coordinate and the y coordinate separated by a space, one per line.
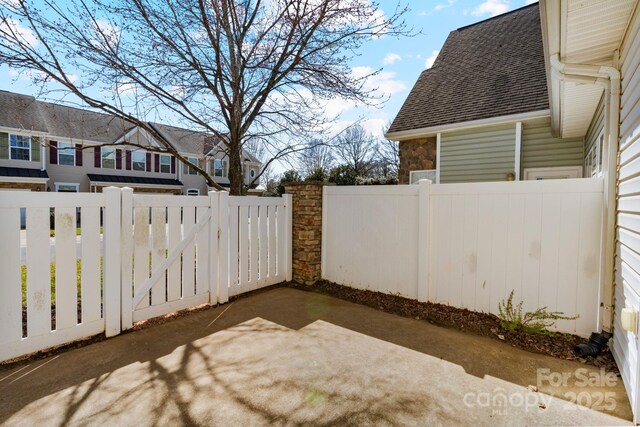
pixel 139 160
pixel 66 154
pixel 252 173
pixel 416 176
pixel 193 192
pixel 67 187
pixel 108 158
pixel 190 170
pixel 219 167
pixel 593 159
pixel 165 163
pixel 20 147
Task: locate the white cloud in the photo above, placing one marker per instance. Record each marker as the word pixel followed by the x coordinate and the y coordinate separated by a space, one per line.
pixel 491 7
pixel 17 31
pixel 438 8
pixel 391 58
pixel 432 59
pixel 125 89
pixel 383 83
pixel 528 2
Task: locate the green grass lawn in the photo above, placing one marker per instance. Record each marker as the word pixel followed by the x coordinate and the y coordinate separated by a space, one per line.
pixel 53 281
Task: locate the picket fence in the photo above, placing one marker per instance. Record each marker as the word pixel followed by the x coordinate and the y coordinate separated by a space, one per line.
pixel 156 254
pixel 470 245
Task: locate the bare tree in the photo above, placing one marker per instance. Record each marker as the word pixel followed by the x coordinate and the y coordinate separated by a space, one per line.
pixel 236 69
pixel 317 155
pixel 356 148
pixel 388 158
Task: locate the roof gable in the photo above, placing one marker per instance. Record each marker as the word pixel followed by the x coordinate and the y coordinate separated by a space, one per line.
pixel 490 69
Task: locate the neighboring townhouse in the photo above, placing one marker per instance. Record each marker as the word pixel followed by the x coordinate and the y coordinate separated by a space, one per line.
pixel 51 147
pixel 481 112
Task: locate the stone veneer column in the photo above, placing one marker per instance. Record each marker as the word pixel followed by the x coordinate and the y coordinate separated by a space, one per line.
pixel 416 154
pixel 307 230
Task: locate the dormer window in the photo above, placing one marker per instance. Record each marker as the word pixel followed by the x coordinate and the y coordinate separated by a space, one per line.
pixel 220 168
pixel 20 147
pixel 139 160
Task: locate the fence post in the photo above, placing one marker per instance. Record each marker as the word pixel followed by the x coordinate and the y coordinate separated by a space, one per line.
pixel 127 258
pixel 214 281
pixel 424 188
pixel 288 236
pixel 111 269
pixel 223 247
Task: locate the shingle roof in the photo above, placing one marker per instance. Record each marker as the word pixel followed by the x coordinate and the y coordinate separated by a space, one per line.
pixel 20 112
pixel 23 172
pixel 133 180
pixel 25 112
pixel 489 69
pixel 82 124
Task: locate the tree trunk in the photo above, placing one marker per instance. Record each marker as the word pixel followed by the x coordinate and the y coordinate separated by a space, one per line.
pixel 236 178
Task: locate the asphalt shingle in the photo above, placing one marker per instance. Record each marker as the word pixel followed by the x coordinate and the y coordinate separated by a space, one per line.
pixel 489 69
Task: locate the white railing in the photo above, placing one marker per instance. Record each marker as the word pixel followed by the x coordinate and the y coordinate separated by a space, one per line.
pixel 470 245
pixel 156 254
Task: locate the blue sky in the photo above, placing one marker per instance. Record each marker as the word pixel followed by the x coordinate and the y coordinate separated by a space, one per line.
pixel 401 60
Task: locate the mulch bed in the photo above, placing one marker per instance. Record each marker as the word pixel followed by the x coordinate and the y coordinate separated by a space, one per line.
pixel 558 345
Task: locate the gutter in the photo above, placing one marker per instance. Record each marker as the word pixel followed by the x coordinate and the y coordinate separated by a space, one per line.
pixel 609 78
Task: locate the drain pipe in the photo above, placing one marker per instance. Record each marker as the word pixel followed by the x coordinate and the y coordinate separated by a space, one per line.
pixel 609 78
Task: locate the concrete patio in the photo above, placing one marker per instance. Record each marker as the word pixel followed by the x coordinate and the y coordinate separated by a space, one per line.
pixel 286 356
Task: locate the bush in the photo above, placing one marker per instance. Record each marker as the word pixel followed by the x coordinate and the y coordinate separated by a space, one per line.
pixel 343 175
pixel 288 176
pixel 533 322
pixel 379 180
pixel 317 175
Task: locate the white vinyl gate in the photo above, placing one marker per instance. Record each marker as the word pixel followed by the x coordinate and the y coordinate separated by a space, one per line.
pixel 155 254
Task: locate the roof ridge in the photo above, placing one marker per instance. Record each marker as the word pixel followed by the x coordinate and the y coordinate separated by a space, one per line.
pixel 502 15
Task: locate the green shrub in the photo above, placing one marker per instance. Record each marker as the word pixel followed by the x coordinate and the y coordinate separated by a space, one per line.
pixel 317 175
pixel 533 322
pixel 288 176
pixel 343 175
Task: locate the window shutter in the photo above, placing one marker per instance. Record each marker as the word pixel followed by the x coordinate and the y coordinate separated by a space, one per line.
pixel 4 145
pixel 35 149
pixel 173 164
pixel 78 154
pixel 53 152
pixel 96 157
pixel 127 162
pixel 118 159
pixel 156 161
pixel 148 162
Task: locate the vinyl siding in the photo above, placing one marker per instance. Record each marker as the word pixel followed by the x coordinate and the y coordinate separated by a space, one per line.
pixel 540 149
pixel 627 266
pixel 595 128
pixel 478 155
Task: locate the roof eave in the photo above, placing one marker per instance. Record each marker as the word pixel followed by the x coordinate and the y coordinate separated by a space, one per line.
pixel 434 130
pixel 550 21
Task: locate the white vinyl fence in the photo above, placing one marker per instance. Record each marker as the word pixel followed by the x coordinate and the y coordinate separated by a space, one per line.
pixel 156 254
pixel 470 245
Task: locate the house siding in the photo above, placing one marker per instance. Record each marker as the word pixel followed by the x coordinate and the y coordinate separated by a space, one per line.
pixel 478 155
pixel 627 265
pixel 540 149
pixel 595 128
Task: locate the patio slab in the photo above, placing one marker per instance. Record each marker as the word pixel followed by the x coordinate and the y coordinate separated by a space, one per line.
pixel 287 356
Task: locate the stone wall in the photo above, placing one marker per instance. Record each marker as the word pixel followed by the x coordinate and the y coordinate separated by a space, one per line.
pixel 23 186
pixel 416 154
pixel 307 230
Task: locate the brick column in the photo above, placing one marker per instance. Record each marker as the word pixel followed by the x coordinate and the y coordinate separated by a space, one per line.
pixel 307 230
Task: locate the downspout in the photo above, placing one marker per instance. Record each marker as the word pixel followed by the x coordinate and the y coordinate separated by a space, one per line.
pixel 609 78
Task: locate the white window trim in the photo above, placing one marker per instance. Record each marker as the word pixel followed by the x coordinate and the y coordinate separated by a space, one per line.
pixel 57 185
pixel 168 156
pixel 73 151
pixel 189 158
pixel 115 154
pixel 144 160
pixel 225 174
pixel 195 190
pixel 28 149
